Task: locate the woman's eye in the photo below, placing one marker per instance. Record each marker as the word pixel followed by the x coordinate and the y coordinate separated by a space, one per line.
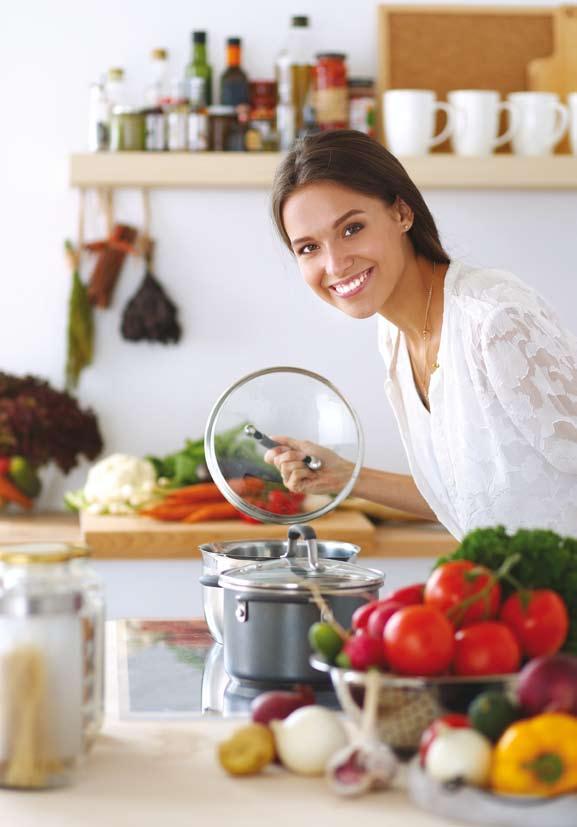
pixel 306 249
pixel 352 229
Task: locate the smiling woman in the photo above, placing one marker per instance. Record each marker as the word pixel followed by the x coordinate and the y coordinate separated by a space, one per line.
pixel 480 373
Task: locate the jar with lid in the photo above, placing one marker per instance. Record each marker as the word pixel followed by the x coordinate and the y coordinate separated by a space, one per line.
pixel 127 129
pixel 261 133
pixel 222 121
pixel 362 105
pixel 331 95
pixel 197 116
pixel 51 662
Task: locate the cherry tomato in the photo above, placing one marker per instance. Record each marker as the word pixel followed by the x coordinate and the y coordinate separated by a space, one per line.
pixel 419 640
pixel 452 583
pixel 454 720
pixel 488 648
pixel 538 619
pixel 408 595
pixel 380 616
pixel 364 651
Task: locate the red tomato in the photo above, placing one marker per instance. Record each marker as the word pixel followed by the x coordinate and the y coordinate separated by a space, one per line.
pixel 488 648
pixel 380 616
pixel 364 651
pixel 454 720
pixel 452 583
pixel 419 640
pixel 408 595
pixel 4 465
pixel 538 619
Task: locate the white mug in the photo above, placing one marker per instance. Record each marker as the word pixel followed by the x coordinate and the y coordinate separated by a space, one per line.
pixel 542 122
pixel 572 102
pixel 409 121
pixel 477 113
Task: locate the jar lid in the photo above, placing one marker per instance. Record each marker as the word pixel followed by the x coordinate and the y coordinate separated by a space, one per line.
pixel 30 554
pixel 221 109
pixel 331 56
pixel 315 419
pixel 159 54
pixel 115 73
pixel 357 83
pixel 126 110
pixel 299 21
pixel 295 574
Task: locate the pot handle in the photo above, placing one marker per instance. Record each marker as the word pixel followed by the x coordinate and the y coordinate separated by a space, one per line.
pixel 310 538
pixel 210 580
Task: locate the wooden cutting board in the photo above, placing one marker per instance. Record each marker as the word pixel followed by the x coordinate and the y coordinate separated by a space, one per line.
pixel 143 538
pixel 558 72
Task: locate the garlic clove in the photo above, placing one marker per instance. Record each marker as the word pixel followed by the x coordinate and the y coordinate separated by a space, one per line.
pixel 358 768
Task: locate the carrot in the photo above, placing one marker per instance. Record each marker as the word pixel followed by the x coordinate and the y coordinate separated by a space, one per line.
pixel 8 491
pixel 247 485
pixel 201 492
pixel 212 511
pixel 169 511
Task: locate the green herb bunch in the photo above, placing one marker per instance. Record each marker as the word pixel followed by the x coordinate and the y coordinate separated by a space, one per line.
pixel 547 561
pixel 45 425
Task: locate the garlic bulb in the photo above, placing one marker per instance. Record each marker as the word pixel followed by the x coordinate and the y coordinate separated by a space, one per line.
pixel 361 767
pixel 308 738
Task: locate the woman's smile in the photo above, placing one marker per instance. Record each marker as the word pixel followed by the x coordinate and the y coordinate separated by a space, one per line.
pixel 353 285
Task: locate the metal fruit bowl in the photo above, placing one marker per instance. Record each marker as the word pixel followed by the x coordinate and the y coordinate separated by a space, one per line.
pixel 407 705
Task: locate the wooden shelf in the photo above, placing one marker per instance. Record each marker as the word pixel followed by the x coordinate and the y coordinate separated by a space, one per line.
pixel 231 170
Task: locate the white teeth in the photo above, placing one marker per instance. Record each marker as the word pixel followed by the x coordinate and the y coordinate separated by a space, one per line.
pixel 343 289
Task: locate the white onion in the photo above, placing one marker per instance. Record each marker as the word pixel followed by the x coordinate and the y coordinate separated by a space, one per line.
pixel 308 738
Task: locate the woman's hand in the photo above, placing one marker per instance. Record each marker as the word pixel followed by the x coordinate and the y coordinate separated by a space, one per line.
pixel 288 457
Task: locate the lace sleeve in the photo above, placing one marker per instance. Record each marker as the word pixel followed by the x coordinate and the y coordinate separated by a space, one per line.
pixel 531 364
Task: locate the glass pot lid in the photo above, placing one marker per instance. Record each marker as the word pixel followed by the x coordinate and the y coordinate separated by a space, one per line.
pixel 295 574
pixel 276 406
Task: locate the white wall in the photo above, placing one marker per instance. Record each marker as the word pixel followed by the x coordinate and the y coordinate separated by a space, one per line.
pixel 242 303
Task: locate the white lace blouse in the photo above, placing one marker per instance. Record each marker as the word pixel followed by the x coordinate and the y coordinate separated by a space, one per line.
pixel 500 443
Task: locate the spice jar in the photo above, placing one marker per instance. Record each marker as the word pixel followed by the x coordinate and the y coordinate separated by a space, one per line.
pixel 331 95
pixel 261 134
pixel 127 129
pixel 51 662
pixel 222 121
pixel 362 105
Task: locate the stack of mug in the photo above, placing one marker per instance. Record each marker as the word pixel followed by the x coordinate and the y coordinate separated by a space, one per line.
pixel 536 121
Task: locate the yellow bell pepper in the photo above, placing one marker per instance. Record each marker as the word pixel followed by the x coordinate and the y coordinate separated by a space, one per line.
pixel 537 756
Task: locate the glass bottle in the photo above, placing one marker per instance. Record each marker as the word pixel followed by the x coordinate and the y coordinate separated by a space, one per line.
pixel 199 67
pixel 197 116
pixel 98 118
pixel 234 89
pixel 116 87
pixel 331 92
pixel 294 68
pixel 157 90
pixel 156 95
pixel 176 110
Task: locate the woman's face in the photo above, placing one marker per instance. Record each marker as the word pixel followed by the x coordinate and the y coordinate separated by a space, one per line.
pixel 351 248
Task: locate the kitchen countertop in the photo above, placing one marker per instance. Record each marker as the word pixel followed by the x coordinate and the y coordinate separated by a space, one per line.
pixel 392 539
pixel 154 762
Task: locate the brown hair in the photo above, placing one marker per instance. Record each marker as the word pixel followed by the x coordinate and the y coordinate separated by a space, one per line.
pixel 360 163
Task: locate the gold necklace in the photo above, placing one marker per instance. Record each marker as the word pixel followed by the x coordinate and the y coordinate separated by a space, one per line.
pixel 426 340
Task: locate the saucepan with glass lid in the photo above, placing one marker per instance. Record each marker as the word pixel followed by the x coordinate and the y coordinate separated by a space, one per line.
pixel 261 596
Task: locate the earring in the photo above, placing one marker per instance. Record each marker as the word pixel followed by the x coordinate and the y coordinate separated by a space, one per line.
pixel 407 227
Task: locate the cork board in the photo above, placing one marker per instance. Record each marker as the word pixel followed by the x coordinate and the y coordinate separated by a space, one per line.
pixel 460 47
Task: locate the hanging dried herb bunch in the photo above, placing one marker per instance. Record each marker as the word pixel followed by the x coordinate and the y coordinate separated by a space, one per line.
pixel 150 315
